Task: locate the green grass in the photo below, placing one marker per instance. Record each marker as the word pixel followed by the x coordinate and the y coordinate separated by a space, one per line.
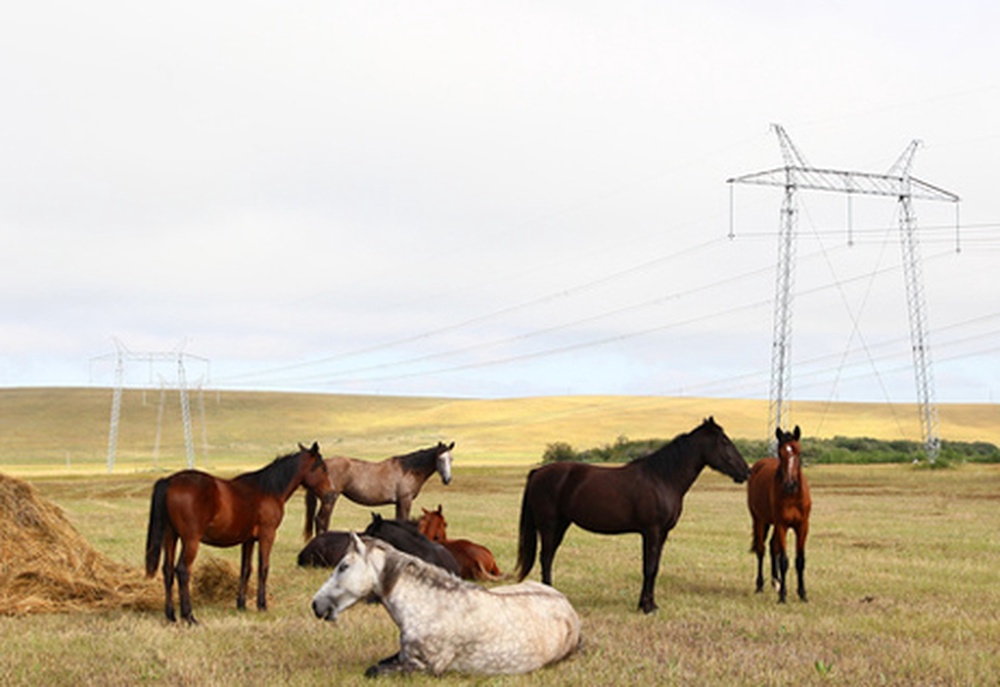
pixel 901 574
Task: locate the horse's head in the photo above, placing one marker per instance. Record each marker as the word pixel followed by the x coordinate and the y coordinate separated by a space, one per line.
pixel 433 525
pixel 356 578
pixel 316 479
pixel 721 454
pixel 789 461
pixel 443 462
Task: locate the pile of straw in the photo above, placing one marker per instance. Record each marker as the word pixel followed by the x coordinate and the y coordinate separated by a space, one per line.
pixel 47 567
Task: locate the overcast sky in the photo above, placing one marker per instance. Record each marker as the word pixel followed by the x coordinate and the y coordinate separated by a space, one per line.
pixel 490 199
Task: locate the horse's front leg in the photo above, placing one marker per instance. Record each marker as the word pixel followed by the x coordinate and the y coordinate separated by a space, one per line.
pixel 403 506
pixel 263 567
pixel 393 664
pixel 652 549
pixel 800 558
pixel 246 567
pixel 779 561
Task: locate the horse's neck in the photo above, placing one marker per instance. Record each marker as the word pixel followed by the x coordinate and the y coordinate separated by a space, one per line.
pixel 410 601
pixel 680 468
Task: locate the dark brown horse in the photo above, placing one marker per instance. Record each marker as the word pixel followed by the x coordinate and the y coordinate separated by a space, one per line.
pixel 475 561
pixel 193 507
pixel 778 495
pixel 394 480
pixel 644 496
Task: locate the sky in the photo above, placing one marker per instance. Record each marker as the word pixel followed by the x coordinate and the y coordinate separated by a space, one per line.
pixel 491 200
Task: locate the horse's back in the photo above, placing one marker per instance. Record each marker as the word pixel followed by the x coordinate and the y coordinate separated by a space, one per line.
pixel 530 625
pixel 759 486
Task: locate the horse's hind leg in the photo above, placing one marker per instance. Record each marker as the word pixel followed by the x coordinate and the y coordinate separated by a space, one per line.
pixel 760 530
pixel 169 555
pixel 189 549
pixel 246 568
pixel 551 535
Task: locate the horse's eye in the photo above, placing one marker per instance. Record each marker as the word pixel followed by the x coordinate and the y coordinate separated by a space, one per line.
pixel 344 565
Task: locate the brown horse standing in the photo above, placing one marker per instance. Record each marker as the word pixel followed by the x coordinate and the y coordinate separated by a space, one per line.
pixel 475 561
pixel 194 507
pixel 778 495
pixel 394 480
pixel 644 496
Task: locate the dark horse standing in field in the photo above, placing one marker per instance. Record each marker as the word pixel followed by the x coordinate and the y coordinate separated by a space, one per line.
pixel 394 480
pixel 778 495
pixel 643 496
pixel 194 507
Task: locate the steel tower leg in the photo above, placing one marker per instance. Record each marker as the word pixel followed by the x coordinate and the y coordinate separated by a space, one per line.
pixel 781 346
pixel 919 340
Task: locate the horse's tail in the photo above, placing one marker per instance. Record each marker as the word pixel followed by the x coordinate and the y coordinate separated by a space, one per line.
pixel 157 525
pixel 311 501
pixel 527 539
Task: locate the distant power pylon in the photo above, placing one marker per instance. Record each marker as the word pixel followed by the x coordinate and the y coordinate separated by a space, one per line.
pixel 896 183
pixel 123 355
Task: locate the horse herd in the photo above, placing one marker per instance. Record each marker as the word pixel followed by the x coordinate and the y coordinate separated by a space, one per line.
pixel 426 581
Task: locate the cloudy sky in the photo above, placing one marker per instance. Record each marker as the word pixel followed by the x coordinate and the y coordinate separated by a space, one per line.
pixel 490 199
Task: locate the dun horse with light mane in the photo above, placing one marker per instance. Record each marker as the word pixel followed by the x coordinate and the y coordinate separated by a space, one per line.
pixel 446 623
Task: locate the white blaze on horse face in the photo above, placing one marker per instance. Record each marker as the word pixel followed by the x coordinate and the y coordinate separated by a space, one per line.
pixel 444 466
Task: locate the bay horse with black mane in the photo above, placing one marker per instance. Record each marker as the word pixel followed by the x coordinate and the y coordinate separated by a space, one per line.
pixel 194 507
pixel 394 480
pixel 778 495
pixel 643 496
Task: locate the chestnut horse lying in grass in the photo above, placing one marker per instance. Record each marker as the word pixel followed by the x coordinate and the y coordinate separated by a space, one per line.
pixel 475 561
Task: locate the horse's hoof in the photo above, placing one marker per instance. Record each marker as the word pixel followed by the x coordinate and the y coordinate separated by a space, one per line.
pixel 190 620
pixel 649 608
pixel 372 671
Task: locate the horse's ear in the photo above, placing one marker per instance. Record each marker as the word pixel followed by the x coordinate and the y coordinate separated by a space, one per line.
pixel 439 509
pixel 777 433
pixel 376 517
pixel 451 445
pixel 315 448
pixel 301 447
pixel 797 434
pixel 356 542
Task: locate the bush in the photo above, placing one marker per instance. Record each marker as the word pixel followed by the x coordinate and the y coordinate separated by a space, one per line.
pixel 838 450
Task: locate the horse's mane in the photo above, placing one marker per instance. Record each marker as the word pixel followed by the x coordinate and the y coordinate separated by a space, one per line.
pixel 421 459
pixel 663 461
pixel 274 477
pixel 399 563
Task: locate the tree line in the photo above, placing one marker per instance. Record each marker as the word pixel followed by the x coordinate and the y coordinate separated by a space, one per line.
pixel 840 450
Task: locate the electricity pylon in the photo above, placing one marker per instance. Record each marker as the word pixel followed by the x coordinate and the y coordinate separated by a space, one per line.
pixel 896 183
pixel 122 356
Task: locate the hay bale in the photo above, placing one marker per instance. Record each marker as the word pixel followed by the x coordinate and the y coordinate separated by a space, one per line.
pixel 47 567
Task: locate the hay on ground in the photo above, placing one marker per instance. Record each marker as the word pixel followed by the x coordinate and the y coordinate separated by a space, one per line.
pixel 46 566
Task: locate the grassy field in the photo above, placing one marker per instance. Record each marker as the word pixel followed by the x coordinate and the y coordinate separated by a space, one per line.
pixel 902 567
pixel 902 575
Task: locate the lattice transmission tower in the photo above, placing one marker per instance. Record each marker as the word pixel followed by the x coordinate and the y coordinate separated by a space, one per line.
pixel 896 183
pixel 122 356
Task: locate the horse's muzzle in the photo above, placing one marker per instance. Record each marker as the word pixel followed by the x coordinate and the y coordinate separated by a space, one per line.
pixel 324 614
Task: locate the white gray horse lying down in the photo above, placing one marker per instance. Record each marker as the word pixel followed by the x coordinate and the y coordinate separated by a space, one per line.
pixel 446 623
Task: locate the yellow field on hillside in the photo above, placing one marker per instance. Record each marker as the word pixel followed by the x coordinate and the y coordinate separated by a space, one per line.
pixel 51 430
